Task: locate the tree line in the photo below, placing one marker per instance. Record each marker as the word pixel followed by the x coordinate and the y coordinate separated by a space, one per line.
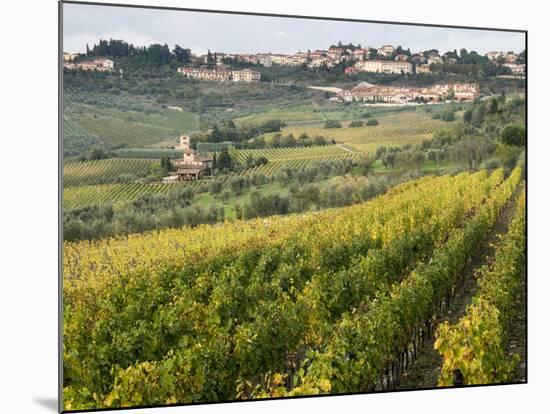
pixel 155 54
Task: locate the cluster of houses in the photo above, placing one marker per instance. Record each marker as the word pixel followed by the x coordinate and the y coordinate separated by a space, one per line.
pixel 385 59
pixel 508 60
pixel 191 166
pixel 220 73
pixel 367 92
pixel 100 64
pixel 319 58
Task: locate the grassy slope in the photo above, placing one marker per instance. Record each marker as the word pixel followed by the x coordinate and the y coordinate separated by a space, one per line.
pixel 117 127
pixel 122 120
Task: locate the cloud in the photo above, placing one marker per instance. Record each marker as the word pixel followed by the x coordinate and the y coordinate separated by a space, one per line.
pixel 242 33
pixel 77 42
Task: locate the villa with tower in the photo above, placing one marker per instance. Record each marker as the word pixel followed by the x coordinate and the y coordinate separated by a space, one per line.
pixel 191 166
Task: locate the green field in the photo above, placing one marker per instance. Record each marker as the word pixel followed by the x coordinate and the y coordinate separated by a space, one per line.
pixel 147 153
pixel 126 102
pixel 119 128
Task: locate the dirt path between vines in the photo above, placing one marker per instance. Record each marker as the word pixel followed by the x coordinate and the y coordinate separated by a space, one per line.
pixel 425 369
pixel 518 334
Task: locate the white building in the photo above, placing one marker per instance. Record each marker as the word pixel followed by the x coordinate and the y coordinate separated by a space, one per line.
pixel 494 55
pixel 245 75
pixel 516 68
pixel 335 53
pixel 265 60
pixel 384 66
pixel 368 92
pixel 205 73
pixel 283 60
pixel 220 74
pixel 434 60
pixel 318 62
pixel 359 54
pixel 511 57
pixel 100 64
pixel 69 57
pixel 386 50
pixel 423 69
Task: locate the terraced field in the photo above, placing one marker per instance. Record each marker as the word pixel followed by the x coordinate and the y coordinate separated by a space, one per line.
pixel 77 173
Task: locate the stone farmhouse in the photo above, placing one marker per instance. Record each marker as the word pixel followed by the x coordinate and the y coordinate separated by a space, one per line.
pixel 191 166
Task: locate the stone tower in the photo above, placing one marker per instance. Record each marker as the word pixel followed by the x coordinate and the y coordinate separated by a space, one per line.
pixel 185 142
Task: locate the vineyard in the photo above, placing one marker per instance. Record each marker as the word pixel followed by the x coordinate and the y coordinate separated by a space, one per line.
pixel 101 181
pixel 476 344
pixel 78 196
pixel 324 302
pixel 272 167
pixel 374 134
pixel 294 153
pixel 103 171
pixel 294 158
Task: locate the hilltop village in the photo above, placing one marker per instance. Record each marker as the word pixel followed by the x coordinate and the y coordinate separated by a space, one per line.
pixel 352 58
pixel 349 60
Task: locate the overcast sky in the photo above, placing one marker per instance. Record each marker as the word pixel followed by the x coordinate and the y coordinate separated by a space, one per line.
pixel 84 24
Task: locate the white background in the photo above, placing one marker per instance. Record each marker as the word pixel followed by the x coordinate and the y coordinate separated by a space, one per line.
pixel 28 232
